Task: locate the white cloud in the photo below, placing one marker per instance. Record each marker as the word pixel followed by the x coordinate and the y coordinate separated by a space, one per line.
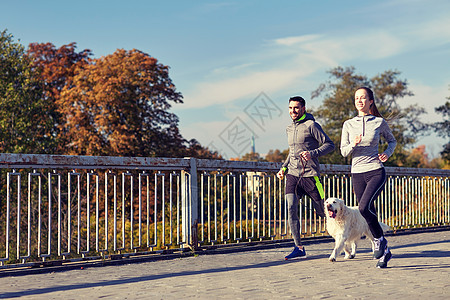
pixel 337 50
pixel 292 63
pixel 212 134
pixel 285 62
pixel 290 60
pixel 231 89
pixel 232 69
pixel 431 96
pixel 437 31
pixel 204 131
pixel 296 40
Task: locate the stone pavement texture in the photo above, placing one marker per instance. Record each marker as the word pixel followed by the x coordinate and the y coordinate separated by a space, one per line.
pixel 419 269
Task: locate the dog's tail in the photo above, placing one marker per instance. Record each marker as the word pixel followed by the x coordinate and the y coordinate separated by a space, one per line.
pixel 385 227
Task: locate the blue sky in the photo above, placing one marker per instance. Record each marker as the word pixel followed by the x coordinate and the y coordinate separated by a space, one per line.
pixel 238 62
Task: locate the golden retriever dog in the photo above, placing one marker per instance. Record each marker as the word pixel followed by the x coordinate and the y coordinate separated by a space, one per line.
pixel 346 225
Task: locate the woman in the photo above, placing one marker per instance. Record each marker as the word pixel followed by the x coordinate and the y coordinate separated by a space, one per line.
pixel 360 138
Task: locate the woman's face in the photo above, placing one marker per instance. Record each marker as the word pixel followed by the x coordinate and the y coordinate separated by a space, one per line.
pixel 362 102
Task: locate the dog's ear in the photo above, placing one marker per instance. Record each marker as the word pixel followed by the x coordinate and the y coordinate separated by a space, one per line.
pixel 344 209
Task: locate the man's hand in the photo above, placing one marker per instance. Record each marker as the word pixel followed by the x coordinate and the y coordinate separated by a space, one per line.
pixel 305 155
pixel 280 174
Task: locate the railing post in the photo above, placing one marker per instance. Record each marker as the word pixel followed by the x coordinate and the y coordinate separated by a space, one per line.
pixel 189 201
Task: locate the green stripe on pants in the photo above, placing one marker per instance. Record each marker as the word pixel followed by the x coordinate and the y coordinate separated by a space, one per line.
pixel 319 187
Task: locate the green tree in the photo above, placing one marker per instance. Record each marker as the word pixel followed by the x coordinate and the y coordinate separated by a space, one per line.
pixel 338 106
pixel 24 123
pixel 195 149
pixel 443 129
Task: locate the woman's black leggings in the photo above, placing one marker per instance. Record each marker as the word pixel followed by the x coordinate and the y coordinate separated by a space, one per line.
pixel 367 187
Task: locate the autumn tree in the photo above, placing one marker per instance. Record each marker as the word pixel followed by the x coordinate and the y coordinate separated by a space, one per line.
pixel 338 106
pixel 114 105
pixel 416 158
pixel 277 155
pixel 56 68
pixel 25 126
pixel 118 105
pixel 250 156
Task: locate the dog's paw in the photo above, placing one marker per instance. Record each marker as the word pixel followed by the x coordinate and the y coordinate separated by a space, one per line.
pixel 332 259
pixel 351 256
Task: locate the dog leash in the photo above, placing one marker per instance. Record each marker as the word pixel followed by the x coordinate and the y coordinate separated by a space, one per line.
pixel 301 175
pixel 303 165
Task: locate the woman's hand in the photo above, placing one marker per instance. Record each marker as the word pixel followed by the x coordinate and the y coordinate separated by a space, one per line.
pixel 383 157
pixel 358 139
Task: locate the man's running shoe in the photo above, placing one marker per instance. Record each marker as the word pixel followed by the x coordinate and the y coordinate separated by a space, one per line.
pixel 382 263
pixel 380 247
pixel 296 253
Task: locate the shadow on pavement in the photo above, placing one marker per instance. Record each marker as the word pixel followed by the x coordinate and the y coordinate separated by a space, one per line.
pixel 153 277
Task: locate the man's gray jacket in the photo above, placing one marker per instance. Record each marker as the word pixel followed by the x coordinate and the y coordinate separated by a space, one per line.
pixel 305 134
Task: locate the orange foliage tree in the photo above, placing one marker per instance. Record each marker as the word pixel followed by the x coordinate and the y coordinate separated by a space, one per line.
pixel 55 67
pixel 118 105
pixel 115 105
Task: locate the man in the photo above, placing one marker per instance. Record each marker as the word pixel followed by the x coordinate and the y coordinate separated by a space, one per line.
pixel 307 141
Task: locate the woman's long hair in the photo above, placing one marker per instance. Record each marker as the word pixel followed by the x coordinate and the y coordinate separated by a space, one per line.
pixel 373 110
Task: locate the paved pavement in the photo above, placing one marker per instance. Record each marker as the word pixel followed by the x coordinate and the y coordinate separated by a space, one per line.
pixel 420 268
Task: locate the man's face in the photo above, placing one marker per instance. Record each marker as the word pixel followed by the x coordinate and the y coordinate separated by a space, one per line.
pixel 296 110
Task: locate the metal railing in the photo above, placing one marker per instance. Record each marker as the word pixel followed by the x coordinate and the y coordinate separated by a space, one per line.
pixel 81 207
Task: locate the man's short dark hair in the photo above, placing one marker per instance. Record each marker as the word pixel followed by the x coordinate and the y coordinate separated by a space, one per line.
pixel 298 99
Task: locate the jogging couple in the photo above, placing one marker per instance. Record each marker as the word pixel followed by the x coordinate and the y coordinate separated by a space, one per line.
pixel 360 138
